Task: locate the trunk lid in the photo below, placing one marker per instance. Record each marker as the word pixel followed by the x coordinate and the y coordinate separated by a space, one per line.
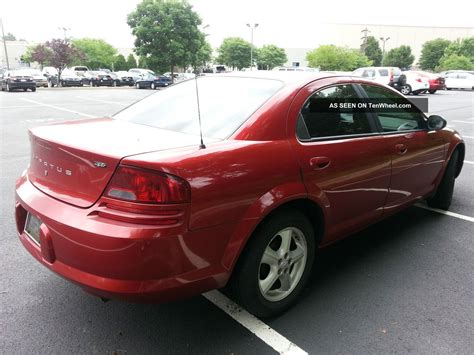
pixel 74 161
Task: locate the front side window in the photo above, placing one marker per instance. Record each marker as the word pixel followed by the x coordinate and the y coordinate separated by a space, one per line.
pixel 394 120
pixel 320 121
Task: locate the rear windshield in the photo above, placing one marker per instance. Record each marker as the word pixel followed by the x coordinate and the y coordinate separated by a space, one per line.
pixel 225 103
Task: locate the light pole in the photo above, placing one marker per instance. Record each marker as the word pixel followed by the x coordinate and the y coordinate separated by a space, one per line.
pixel 252 27
pixel 4 45
pixel 64 29
pixel 383 46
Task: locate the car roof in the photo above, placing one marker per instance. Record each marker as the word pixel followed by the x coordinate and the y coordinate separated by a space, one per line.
pixel 287 77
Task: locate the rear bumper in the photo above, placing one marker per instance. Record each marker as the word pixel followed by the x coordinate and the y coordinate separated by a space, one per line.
pixel 121 260
pixel 22 85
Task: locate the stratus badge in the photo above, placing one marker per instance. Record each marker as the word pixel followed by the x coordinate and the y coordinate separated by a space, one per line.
pixel 99 164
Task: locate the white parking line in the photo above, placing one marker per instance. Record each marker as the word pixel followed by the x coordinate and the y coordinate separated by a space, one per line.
pixel 467 136
pixel 58 108
pixel 447 213
pixel 468 162
pixel 104 101
pixel 463 121
pixel 274 339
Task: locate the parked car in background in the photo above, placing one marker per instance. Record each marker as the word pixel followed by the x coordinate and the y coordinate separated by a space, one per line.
pixel 79 69
pixel 68 78
pixel 101 78
pixel 415 84
pixel 391 76
pixel 459 80
pixel 12 80
pixel 436 81
pixel 124 78
pixel 140 72
pixel 296 69
pixel 40 79
pixel 135 208
pixel 152 82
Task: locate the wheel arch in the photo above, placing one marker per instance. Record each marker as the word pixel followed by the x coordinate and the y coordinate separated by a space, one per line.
pixel 247 226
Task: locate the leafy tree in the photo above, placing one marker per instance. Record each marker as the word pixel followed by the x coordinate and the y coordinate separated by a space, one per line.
pixel 97 52
pixel 200 59
pixel 461 47
pixel 330 57
pixel 454 61
pixel 62 54
pixel 10 37
pixel 432 52
pixel 120 63
pixel 372 50
pixel 271 56
pixel 234 52
pixel 131 61
pixel 167 33
pixel 399 57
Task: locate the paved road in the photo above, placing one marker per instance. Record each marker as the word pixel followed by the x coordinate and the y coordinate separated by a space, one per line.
pixel 403 285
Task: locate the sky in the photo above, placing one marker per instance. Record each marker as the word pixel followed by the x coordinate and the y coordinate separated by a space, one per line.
pixel 283 23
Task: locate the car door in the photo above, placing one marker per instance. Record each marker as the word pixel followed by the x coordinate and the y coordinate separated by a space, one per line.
pixel 417 153
pixel 344 162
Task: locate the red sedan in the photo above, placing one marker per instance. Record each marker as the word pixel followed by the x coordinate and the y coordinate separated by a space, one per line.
pixel 133 207
pixel 436 81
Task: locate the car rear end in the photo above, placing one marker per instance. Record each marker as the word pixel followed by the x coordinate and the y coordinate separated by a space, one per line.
pixel 21 80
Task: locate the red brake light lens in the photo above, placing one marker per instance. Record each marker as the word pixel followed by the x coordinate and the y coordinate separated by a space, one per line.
pixel 147 186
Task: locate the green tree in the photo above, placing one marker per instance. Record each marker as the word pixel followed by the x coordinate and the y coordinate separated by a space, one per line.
pixel 331 57
pixel 432 52
pixel 234 52
pixel 372 50
pixel 455 62
pixel 131 62
pixel 270 56
pixel 461 47
pixel 97 52
pixel 200 59
pixel 399 57
pixel 120 63
pixel 166 32
pixel 10 37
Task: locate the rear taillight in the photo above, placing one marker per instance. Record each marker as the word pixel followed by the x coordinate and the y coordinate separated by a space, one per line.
pixel 391 75
pixel 147 186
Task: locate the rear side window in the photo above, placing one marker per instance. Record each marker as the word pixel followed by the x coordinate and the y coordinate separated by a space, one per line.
pixel 394 121
pixel 321 122
pixel 383 72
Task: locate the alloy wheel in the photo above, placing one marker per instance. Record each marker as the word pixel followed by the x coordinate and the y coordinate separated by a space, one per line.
pixel 282 264
pixel 405 89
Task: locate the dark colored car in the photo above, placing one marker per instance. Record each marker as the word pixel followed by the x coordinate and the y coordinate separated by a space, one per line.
pixel 99 78
pixel 134 207
pixel 11 80
pixel 436 81
pixel 123 78
pixel 68 78
pixel 153 82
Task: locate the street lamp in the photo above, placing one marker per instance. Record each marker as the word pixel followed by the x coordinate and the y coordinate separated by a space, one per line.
pixel 383 46
pixel 252 27
pixel 64 29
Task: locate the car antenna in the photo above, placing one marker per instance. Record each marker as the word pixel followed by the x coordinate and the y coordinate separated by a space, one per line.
pixel 201 146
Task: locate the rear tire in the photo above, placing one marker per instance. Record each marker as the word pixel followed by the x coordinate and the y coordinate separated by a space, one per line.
pixel 33 89
pixel 8 88
pixel 275 265
pixel 138 86
pixel 152 86
pixel 432 91
pixel 444 193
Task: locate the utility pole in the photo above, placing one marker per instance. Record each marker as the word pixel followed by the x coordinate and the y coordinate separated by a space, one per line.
pixel 383 45
pixel 252 27
pixel 5 45
pixel 365 31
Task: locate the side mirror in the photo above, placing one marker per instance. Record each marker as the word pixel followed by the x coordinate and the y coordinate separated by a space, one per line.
pixel 436 123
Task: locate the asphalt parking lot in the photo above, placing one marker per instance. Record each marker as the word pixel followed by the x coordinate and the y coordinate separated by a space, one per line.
pixel 405 285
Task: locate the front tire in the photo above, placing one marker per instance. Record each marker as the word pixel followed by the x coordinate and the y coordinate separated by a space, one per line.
pixel 444 193
pixel 405 89
pixel 432 91
pixel 138 86
pixel 152 86
pixel 33 89
pixel 275 264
